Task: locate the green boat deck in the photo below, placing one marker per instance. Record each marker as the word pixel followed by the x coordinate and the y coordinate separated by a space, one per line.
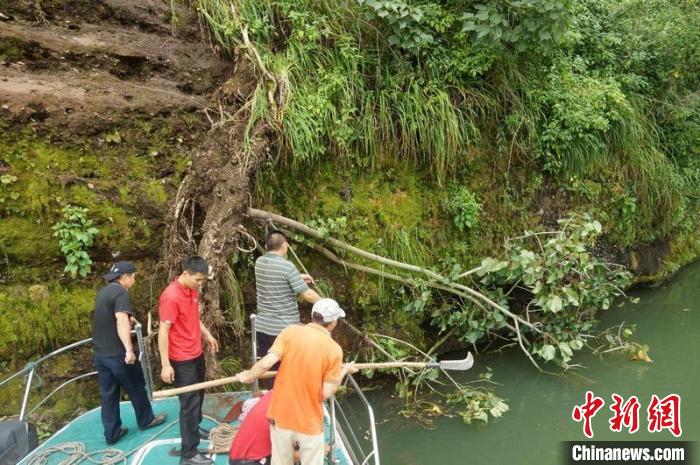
pixel 152 446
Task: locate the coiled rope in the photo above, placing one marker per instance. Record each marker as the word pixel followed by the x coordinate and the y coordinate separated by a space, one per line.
pixel 77 453
pixel 221 437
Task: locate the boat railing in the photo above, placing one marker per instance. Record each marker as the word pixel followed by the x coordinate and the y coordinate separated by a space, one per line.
pixel 30 369
pixel 339 419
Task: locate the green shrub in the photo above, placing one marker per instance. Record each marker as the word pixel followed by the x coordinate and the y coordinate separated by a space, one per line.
pixel 75 235
pixel 464 207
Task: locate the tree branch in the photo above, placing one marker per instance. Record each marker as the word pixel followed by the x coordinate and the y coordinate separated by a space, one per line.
pixel 442 282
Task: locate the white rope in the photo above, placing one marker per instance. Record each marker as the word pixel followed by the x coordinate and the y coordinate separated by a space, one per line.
pixel 76 452
pixel 221 437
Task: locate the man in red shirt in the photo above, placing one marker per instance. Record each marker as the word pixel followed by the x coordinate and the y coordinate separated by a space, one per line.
pixel 180 345
pixel 252 445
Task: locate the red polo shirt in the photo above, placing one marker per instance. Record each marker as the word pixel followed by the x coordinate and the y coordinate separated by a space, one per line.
pixel 179 305
pixel 252 441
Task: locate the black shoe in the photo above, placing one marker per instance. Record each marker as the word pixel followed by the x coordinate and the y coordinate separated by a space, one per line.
pixel 204 433
pixel 157 420
pixel 122 433
pixel 197 459
pixel 175 452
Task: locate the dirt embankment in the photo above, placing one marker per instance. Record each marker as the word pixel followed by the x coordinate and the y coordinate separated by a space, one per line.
pixel 101 106
pixel 80 65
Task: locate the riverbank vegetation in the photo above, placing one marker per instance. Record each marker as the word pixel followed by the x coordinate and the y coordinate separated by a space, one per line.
pixel 572 97
pixel 581 92
pixel 566 105
pixel 541 154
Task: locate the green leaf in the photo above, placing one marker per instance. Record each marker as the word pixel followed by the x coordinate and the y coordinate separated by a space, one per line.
pixel 537 288
pixel 565 350
pixel 572 296
pixel 554 303
pixel 499 409
pixel 468 26
pixel 548 352
pixel 491 265
pixel 114 137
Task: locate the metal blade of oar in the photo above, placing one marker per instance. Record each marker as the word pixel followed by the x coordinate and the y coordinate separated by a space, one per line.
pixel 455 365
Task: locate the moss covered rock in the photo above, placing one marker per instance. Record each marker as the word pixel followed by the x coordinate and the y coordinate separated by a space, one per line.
pixel 24 240
pixel 33 318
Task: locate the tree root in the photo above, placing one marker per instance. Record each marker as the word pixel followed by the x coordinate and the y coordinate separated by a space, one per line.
pixel 205 218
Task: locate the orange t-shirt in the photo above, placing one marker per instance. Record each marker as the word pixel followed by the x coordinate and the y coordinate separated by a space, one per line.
pixel 309 358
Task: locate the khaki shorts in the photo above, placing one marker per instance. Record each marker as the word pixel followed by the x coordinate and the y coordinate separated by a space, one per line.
pixel 311 447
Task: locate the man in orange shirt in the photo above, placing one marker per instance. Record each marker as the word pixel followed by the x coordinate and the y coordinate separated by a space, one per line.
pixel 310 372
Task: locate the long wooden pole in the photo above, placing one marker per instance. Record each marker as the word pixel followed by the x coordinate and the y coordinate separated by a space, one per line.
pixel 234 379
pixel 204 385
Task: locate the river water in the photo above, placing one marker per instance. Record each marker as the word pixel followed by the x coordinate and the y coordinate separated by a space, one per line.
pixel 667 318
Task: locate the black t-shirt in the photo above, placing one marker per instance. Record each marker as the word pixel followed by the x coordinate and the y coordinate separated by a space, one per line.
pixel 111 299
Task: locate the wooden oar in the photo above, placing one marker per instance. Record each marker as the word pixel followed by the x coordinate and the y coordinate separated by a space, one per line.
pixel 453 365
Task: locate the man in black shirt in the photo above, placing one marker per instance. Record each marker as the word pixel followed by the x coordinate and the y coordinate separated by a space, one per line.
pixel 115 359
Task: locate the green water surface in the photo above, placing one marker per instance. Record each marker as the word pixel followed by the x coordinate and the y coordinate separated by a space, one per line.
pixel 667 319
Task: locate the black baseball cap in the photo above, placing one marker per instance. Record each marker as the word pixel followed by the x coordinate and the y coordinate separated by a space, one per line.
pixel 119 269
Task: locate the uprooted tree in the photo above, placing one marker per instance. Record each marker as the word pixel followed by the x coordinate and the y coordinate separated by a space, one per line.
pixel 206 215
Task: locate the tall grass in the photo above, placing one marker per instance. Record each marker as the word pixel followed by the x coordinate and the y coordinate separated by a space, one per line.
pixel 353 99
pixel 406 245
pixel 634 146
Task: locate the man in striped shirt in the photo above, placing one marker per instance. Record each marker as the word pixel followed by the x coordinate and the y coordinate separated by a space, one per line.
pixel 277 283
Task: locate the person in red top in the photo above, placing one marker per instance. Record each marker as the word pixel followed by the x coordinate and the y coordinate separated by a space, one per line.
pixel 252 445
pixel 180 345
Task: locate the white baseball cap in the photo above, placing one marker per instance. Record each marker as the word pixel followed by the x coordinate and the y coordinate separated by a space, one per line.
pixel 328 309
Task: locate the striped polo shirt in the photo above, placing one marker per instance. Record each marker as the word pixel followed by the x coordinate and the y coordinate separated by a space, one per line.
pixel 277 283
